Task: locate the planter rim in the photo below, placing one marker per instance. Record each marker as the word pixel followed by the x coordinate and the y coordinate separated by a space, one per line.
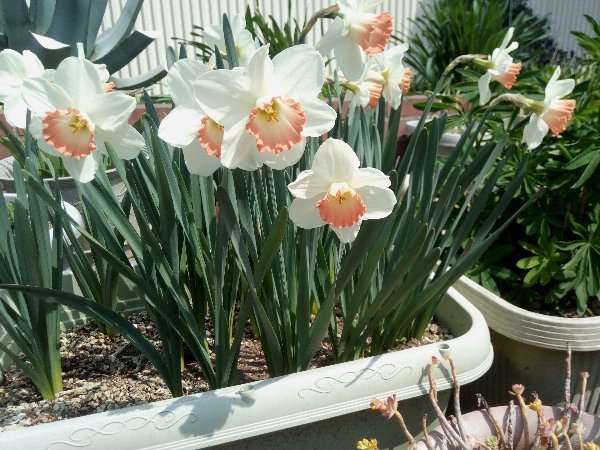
pixel 530 327
pixel 238 412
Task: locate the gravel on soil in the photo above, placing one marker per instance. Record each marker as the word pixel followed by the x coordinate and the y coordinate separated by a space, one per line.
pixel 102 374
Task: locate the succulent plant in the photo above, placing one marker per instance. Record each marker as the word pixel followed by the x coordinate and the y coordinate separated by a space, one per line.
pixel 52 28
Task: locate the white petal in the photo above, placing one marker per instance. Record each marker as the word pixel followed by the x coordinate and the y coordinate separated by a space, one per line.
pixel 126 141
pixel 223 96
pixel 82 170
pixel 15 111
pixel 484 88
pixel 247 48
pixel 299 70
pixel 320 117
pixel 180 81
pixel 284 159
pixel 198 161
pixel 331 36
pixel 180 127
pixel 369 176
pixel 335 160
pixel 350 57
pixel 379 201
pixel 12 73
pixel 558 89
pixel 308 184
pixel 535 131
pixel 260 73
pixel 507 38
pixel 111 110
pixel 347 234
pixel 304 213
pixel 42 96
pixel 80 79
pixel 392 94
pixel 239 149
pixel 394 56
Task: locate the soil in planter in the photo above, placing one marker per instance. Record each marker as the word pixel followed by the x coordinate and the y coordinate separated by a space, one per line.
pixel 102 374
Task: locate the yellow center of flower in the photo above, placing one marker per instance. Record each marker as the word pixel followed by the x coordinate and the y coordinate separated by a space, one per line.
pixel 78 124
pixel 270 112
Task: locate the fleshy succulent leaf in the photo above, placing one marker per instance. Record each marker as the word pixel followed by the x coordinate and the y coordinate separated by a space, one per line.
pixel 70 22
pixel 120 31
pixel 41 12
pixel 140 81
pixel 123 53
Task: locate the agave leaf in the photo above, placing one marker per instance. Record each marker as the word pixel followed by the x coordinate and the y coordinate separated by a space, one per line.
pixel 70 21
pixel 15 23
pixel 50 51
pixel 97 10
pixel 124 52
pixel 120 31
pixel 140 81
pixel 41 12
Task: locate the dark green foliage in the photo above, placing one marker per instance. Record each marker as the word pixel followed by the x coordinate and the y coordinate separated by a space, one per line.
pixel 556 242
pixel 450 28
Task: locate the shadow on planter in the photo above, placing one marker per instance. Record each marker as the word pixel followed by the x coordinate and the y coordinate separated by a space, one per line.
pixel 319 408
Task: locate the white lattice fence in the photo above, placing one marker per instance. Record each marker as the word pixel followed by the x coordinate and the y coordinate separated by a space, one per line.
pixel 176 17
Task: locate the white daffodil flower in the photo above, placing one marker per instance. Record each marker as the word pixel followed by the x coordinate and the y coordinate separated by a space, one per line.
pixel 73 117
pixel 552 114
pixel 359 31
pixel 188 126
pixel 14 69
pixel 396 77
pixel 269 108
pixel 338 193
pixel 245 46
pixel 500 67
pixel 366 91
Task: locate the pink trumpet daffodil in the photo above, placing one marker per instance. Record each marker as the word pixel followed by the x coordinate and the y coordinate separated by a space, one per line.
pixel 357 33
pixel 188 126
pixel 551 114
pixel 267 109
pixel 338 193
pixel 74 116
pixel 499 67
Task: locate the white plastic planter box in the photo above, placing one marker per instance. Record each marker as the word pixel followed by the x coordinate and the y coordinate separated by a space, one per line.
pixel 531 349
pixel 237 414
pixel 68 188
